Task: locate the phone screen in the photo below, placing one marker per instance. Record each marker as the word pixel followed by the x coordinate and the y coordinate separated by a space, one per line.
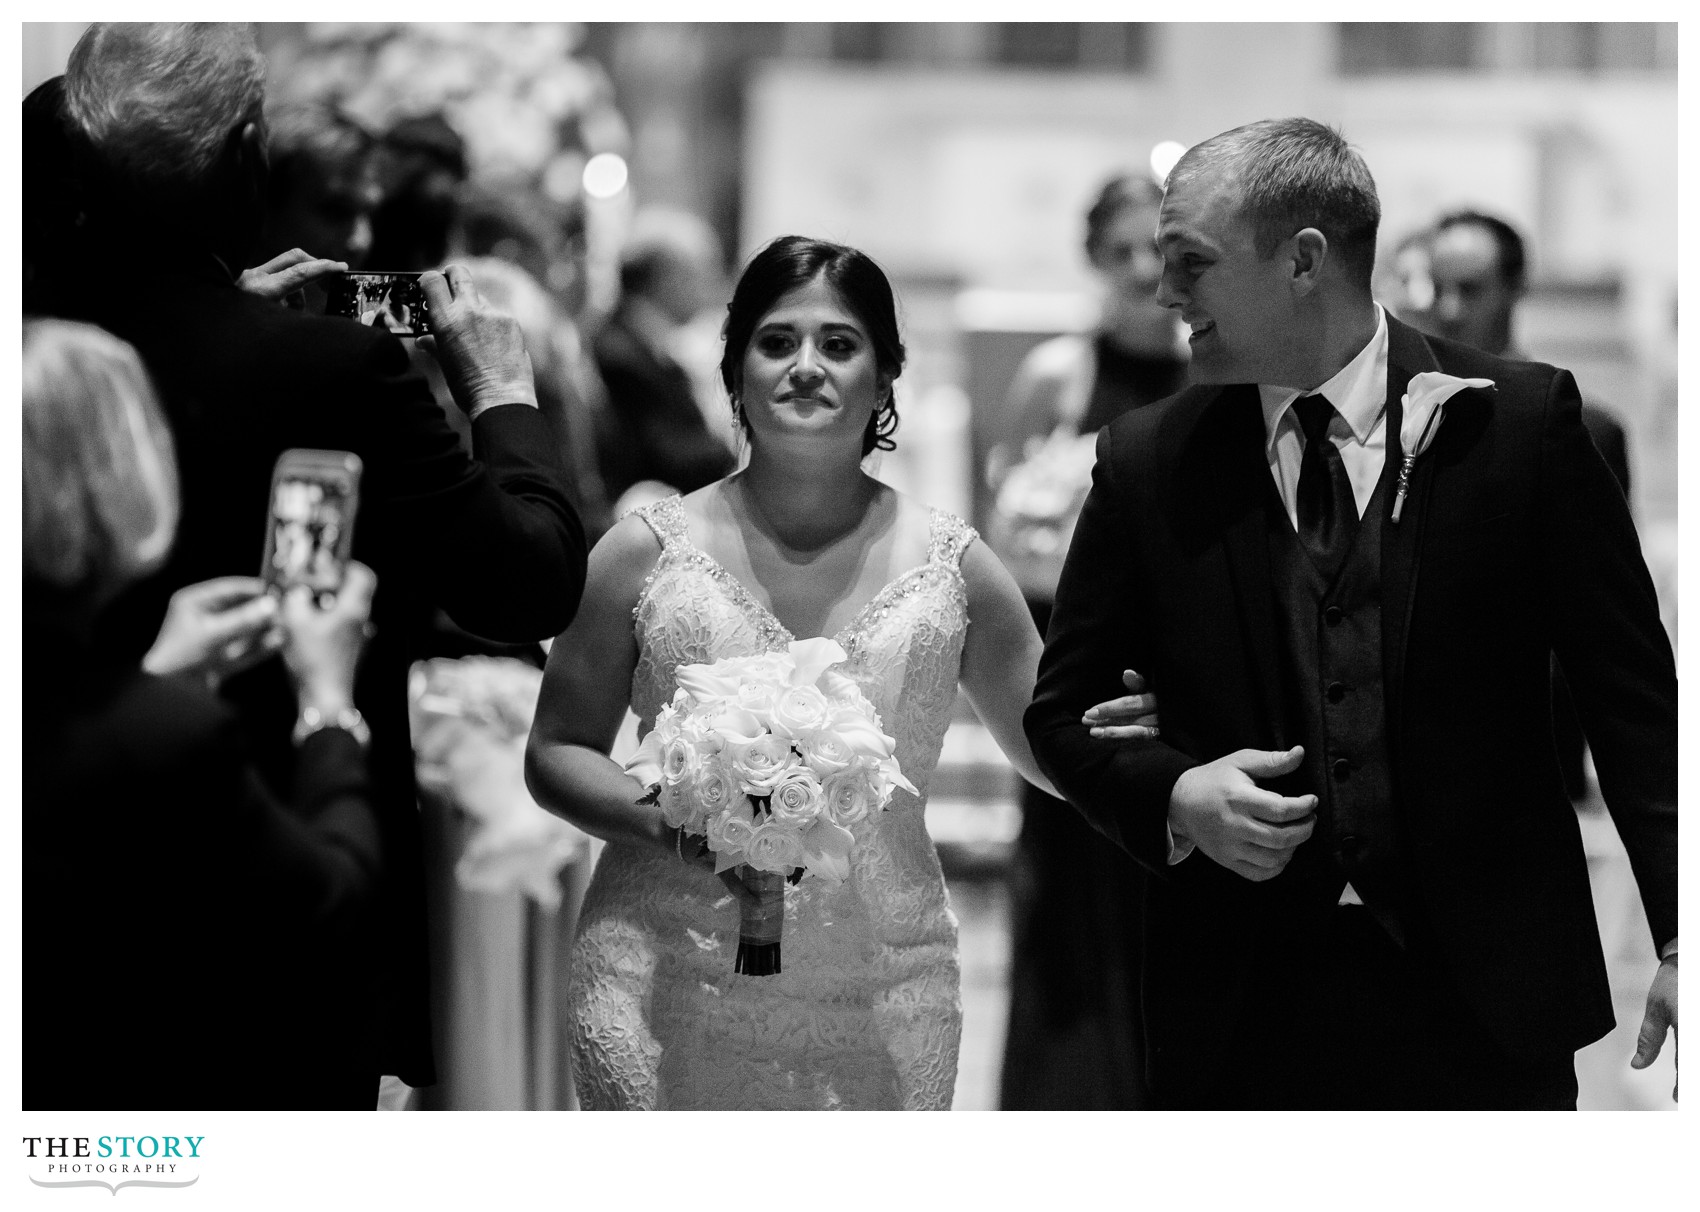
pixel 391 300
pixel 308 520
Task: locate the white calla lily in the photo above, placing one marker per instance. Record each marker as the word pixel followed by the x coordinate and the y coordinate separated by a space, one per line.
pixel 1425 396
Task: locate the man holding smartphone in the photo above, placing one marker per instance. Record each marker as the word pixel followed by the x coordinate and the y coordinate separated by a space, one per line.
pixel 167 121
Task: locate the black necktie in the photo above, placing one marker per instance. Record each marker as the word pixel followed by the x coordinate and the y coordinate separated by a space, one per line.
pixel 1328 513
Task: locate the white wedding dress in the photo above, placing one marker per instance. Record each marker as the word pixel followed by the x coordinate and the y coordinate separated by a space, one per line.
pixel 867 1010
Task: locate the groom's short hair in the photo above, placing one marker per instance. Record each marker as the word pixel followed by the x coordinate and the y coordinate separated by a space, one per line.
pixel 1294 173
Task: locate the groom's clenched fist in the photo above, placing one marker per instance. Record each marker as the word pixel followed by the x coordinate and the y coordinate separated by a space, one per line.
pixel 1220 809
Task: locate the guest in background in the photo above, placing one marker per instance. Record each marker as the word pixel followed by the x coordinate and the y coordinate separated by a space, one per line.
pixel 422 167
pixel 656 431
pixel 165 891
pixel 490 536
pixel 1072 1041
pixel 322 188
pixel 1479 270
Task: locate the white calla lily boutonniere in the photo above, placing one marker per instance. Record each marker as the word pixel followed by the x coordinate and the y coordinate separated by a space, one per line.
pixel 1423 408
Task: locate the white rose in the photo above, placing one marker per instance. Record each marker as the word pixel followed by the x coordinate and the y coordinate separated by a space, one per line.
pixel 762 763
pixel 824 751
pixel 800 709
pixel 797 799
pixel 773 847
pixel 757 697
pixel 678 807
pixel 848 796
pixel 715 788
pixel 678 760
pixel 731 830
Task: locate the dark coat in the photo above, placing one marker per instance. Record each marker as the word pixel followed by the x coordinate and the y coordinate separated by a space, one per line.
pixel 490 537
pixel 185 932
pixel 1515 543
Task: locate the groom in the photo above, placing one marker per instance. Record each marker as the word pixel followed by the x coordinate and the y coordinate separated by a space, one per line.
pixel 1367 886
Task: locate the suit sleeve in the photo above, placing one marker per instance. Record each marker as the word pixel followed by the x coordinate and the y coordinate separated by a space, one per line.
pixel 1097 630
pixel 492 537
pixel 316 860
pixel 1614 650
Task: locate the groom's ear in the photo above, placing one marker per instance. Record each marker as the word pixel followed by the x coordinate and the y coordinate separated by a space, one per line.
pixel 1308 253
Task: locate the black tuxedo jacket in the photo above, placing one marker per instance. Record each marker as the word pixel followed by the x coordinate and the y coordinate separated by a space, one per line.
pixel 1515 542
pixel 490 537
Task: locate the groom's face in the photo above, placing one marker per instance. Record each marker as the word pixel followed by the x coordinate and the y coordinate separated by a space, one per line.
pixel 1238 305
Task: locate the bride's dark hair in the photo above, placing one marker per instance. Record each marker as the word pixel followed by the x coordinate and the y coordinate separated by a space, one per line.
pixel 791 262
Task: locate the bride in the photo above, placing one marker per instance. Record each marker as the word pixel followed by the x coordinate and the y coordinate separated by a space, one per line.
pixel 866 1012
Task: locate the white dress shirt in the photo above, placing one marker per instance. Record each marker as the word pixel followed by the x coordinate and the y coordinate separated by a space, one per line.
pixel 1359 431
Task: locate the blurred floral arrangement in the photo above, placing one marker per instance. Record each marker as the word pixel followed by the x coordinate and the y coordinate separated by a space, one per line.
pixel 470 719
pixel 525 103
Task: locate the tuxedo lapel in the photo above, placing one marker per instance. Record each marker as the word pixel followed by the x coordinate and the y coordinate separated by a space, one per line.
pixel 1401 542
pixel 1244 494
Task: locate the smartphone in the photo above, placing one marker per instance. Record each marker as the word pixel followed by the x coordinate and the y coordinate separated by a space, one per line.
pixel 310 533
pixel 391 300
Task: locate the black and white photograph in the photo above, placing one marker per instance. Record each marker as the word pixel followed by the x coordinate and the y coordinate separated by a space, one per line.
pixel 992 565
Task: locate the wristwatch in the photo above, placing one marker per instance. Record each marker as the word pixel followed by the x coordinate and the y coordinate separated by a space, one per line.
pixel 349 719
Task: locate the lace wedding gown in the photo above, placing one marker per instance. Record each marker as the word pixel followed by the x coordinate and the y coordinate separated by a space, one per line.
pixel 867 1011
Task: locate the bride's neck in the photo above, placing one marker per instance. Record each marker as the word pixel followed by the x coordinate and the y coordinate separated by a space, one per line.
pixel 803 509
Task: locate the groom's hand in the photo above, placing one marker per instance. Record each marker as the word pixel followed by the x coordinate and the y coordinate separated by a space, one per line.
pixel 1660 1016
pixel 1249 830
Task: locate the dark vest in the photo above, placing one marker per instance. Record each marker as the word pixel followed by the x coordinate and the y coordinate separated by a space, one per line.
pixel 1336 708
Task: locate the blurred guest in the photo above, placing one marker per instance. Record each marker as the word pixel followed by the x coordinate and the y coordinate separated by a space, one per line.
pixel 170 119
pixel 322 188
pixel 421 168
pixel 656 429
pixel 159 875
pixel 1403 284
pixel 569 393
pixel 1073 1038
pixel 1479 269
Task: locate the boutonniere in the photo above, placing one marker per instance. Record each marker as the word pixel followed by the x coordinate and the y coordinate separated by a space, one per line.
pixel 1424 397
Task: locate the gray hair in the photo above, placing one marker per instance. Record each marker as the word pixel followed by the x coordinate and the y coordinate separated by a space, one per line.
pixel 99 472
pixel 1294 173
pixel 158 101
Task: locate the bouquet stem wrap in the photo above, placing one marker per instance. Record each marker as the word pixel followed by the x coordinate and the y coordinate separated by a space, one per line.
pixel 761 920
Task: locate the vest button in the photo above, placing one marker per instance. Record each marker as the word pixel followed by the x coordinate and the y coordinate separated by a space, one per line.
pixel 1336 691
pixel 1342 770
pixel 1333 615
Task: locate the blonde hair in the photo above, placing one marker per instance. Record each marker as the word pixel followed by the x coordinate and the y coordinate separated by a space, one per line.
pixel 99 470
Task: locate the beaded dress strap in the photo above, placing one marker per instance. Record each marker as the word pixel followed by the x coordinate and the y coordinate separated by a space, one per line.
pixel 950 536
pixel 666 518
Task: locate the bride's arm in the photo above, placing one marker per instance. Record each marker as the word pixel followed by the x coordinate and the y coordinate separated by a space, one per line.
pixel 584 695
pixel 1000 658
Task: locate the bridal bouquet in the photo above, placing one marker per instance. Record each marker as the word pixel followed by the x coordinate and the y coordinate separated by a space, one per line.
pixel 770 759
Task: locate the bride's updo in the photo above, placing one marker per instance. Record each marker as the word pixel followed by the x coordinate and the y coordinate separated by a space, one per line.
pixel 791 262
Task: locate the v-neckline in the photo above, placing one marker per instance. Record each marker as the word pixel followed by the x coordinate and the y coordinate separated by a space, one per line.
pixel 748 597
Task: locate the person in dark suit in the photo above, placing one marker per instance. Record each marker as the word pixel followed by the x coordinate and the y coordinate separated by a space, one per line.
pixel 169 122
pixel 1478 269
pixel 159 874
pixel 653 427
pixel 1369 888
